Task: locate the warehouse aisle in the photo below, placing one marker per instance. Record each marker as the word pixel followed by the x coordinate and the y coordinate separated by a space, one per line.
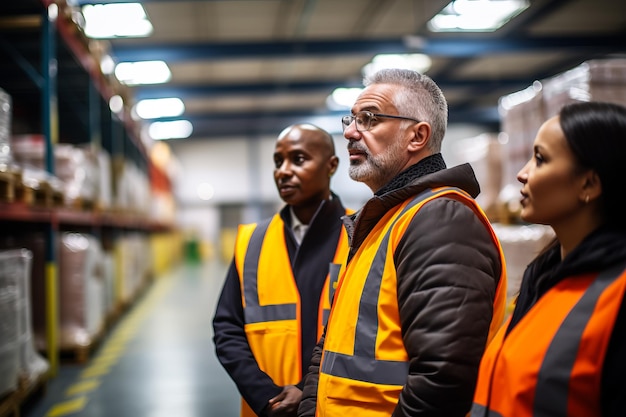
pixel 158 361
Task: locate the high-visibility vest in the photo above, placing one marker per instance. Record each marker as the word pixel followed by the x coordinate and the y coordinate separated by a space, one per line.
pixel 550 363
pixel 364 362
pixel 271 301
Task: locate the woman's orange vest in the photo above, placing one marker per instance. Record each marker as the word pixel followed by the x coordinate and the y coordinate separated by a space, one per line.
pixel 364 362
pixel 550 364
pixel 271 301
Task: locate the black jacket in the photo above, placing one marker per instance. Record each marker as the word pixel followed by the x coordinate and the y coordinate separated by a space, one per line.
pixel 310 266
pixel 447 270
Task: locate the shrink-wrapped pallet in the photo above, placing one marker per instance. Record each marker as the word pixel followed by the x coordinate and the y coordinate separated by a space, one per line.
pixel 10 173
pixel 484 153
pixel 131 187
pixel 595 80
pixel 5 128
pixel 77 167
pixel 9 332
pixel 35 242
pixel 31 364
pixel 15 273
pixel 105 177
pixel 108 273
pixel 520 244
pixel 29 150
pixel 81 292
pixel 522 115
pixel 133 262
pixel 523 112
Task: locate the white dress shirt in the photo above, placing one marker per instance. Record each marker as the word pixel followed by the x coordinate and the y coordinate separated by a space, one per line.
pixel 299 228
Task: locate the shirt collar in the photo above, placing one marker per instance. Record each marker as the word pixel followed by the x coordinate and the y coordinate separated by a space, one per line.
pixel 298 228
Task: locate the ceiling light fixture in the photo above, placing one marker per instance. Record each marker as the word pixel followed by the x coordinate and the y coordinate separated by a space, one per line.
pixel 205 191
pixel 143 72
pixel 160 107
pixel 107 65
pixel 177 129
pixel 476 15
pixel 416 62
pixel 116 103
pixel 121 20
pixel 342 98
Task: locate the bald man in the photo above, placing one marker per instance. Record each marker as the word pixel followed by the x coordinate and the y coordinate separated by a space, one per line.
pixel 277 292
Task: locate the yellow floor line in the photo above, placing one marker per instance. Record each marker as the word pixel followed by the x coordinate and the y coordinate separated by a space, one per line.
pixel 110 353
pixel 113 347
pixel 68 407
pixel 82 387
pixel 93 371
pixel 107 360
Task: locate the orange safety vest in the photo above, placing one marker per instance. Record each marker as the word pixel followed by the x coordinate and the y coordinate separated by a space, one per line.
pixel 271 301
pixel 364 362
pixel 551 361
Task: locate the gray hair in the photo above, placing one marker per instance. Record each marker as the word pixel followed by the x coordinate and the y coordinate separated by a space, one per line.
pixel 419 97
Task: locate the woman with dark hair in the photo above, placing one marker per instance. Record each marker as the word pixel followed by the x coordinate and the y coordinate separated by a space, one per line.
pixel 563 350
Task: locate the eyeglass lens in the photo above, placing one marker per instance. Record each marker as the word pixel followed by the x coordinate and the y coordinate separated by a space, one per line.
pixel 362 119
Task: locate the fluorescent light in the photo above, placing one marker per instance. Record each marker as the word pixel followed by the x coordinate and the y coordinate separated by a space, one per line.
pixel 514 99
pixel 476 15
pixel 116 20
pixel 53 12
pixel 205 191
pixel 342 98
pixel 116 104
pixel 160 107
pixel 416 62
pixel 107 65
pixel 143 72
pixel 177 129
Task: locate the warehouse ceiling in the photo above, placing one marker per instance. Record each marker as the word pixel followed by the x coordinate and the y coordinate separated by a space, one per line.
pixel 251 67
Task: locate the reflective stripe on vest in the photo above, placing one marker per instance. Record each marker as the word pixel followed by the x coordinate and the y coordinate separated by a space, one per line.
pixel 569 361
pixel 271 300
pixel 357 367
pixel 255 313
pixel 556 368
pixel 333 278
pixel 481 411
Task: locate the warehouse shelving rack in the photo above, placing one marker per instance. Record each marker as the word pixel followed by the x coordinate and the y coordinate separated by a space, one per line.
pixel 58 91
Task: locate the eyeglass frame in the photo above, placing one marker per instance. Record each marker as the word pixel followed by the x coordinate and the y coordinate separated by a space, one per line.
pixel 352 118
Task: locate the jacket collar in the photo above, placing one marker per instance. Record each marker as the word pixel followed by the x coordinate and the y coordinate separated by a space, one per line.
pixel 600 250
pixel 428 165
pixel 360 223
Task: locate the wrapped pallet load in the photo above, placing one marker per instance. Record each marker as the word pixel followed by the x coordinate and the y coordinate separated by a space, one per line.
pixel 594 80
pixel 31 364
pixel 9 171
pixel 521 243
pixel 26 364
pixel 81 290
pixel 9 343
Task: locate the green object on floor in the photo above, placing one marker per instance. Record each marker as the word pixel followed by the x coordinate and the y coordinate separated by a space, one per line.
pixel 192 251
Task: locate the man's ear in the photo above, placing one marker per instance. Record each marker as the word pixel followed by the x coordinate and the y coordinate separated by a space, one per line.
pixel 333 162
pixel 421 136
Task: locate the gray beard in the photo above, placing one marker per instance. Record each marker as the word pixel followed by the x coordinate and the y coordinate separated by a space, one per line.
pixel 377 171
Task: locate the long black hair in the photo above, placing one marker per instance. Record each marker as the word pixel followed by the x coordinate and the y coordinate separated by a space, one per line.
pixel 596 133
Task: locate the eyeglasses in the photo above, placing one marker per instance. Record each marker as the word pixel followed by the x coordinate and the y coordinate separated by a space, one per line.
pixel 364 120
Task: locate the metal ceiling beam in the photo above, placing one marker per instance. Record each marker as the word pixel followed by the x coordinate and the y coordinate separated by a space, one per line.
pixel 257 89
pixel 85 2
pixel 448 47
pixel 206 126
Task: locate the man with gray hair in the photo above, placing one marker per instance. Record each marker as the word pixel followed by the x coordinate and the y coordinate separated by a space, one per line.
pixel 425 283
